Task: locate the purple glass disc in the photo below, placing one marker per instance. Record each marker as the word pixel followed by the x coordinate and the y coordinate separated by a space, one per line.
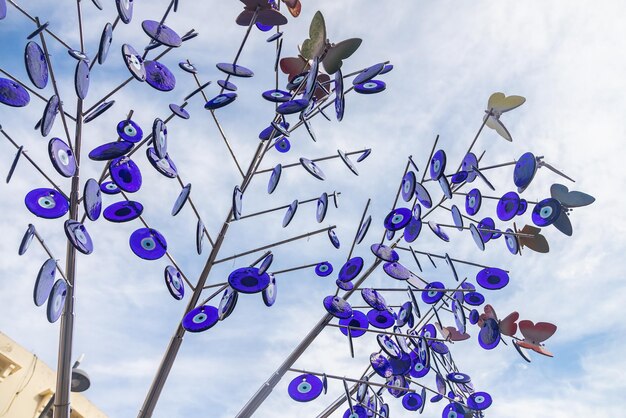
pixel 374 299
pixel 56 301
pixel 227 85
pixel 512 244
pixel 370 87
pixel 381 365
pixel 405 315
pixel 46 203
pixel 164 166
pixel 270 292
pixel 179 111
pixel 200 319
pixel 234 70
pixel 148 243
pixel 458 377
pixel 227 303
pixel 368 73
pixel 546 212
pixel 524 172
pixel 380 319
pixel 181 199
pixel 420 367
pixel 397 271
pixel 134 62
pixel 77 234
pixel 220 100
pixel 274 178
pixel 363 229
pixel 484 227
pixel 62 157
pixel 437 164
pixel 322 207
pixel 159 137
pixel 105 43
pixel 397 219
pixel 437 230
pixel 408 186
pixel 489 335
pixel 276 96
pixel 523 205
pixel 92 199
pixel 479 401
pixel 474 298
pixel 129 131
pixel 432 296
pixel 459 177
pixel 125 173
pixel 423 196
pixel 337 307
pixel 347 286
pixel 357 320
pixel 389 346
pixel 49 115
pixel 110 150
pixel 248 280
pixel 161 33
pixel 492 278
pixel 99 111
pixel 237 202
pixel 508 206
pixel 292 106
pixel 363 156
pixel 282 145
pixel 123 211
pixel 108 187
pixel 473 201
pixel 125 10
pixel 312 168
pixel 400 366
pixel 13 94
pixel 44 282
pixel 305 388
pixel 266 263
pixel 81 79
pixel 384 252
pixel 340 102
pixel 412 401
pixel 324 269
pixel 332 236
pixel 174 282
pixel 351 269
pixel 412 229
pixel 356 412
pixel 36 64
pixel 159 76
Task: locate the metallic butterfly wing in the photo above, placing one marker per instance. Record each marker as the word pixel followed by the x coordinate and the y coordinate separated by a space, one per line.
pixel 570 199
pixel 335 55
pixel 564 224
pixel 508 325
pixel 497 125
pixel 501 103
pixel 537 242
pixel 314 46
pixel 293 66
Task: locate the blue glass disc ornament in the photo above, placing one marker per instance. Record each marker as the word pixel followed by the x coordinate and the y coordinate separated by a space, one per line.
pixel 165 166
pixel 49 115
pixel 182 198
pixel 129 131
pixel 81 79
pixel 312 168
pixel 105 43
pixel 412 229
pixel 46 203
pixel 340 101
pixel 337 307
pixel 351 269
pixel 159 76
pixel 453 410
pixel 187 67
pixel 524 172
pixel 445 187
pixel 322 207
pixel 389 346
pixel 457 218
pixel 380 319
pixel 405 314
pixel 489 335
pixel 56 301
pixel 431 295
pixel 292 106
pixel 227 85
pixel 179 111
pixel 364 155
pixel 374 299
pixel 397 271
pixel 485 226
pixel 546 212
pixel 469 161
pixel 420 367
pixel 200 319
pixel 110 151
pixel 227 303
pixel 348 162
pixel 270 292
pixel 508 206
pixel 437 230
pixel 423 196
pixel 473 201
pixel 44 281
pixel 477 236
pixel 282 145
pixel 13 94
pixel 412 401
pixel 99 111
pixel 401 366
pixel 474 298
pixel 459 177
pixel 290 213
pixel 397 219
pixel 347 286
pixel 148 243
pixel 437 164
pixel 357 320
pixel 276 96
pixel 479 401
pixel 36 64
pixel 62 157
pixel 363 228
pixel 266 263
pixel 159 137
pixel 199 235
pixel 512 244
pixel 237 202
pixel 234 70
pixel 108 187
pixel 324 269
pixel 457 377
pixel 381 365
pixel 368 73
pixel 408 186
pixel 133 61
pixel 305 388
pixel 357 411
pixel 248 280
pixel 125 10
pixel 492 278
pixel 78 236
pixel 332 236
pixel 174 282
pixel 161 33
pixel 16 159
pixel 125 173
pixel 473 316
pixel 370 87
pixel 384 252
pixel 123 211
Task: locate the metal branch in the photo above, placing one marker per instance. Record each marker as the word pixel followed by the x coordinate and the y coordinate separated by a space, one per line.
pixel 315 160
pixel 300 202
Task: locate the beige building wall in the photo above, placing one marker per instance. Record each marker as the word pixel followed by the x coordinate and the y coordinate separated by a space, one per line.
pixel 27 384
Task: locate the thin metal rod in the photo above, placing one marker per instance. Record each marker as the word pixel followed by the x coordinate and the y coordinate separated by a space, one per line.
pixel 195 211
pixel 47 250
pixel 217 292
pixel 456 260
pixel 275 244
pixel 482 125
pixel 243 42
pixel 258 260
pixel 306 266
pixel 432 151
pixel 210 286
pixel 315 160
pixel 493 231
pixel 25 13
pixel 300 202
pixel 358 228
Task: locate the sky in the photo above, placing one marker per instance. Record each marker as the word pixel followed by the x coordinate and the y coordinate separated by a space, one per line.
pixel 448 58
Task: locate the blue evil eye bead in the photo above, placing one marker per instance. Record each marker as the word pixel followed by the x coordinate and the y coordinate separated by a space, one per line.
pixel 469 161
pixel 351 269
pixel 324 269
pixel 337 307
pixel 312 168
pixel 492 278
pixel 311 80
pixel 36 64
pixel 524 172
pixel 453 410
pixel 546 212
pixel 404 315
pixel 56 301
pixel 356 412
pixel 200 319
pixel 397 383
pixel 439 347
pixel 125 10
pixel 374 299
pixel 129 131
pixel 479 401
pixel 384 252
pixel 420 366
pixel 380 319
pixel 332 236
pixel 322 207
pixel 397 219
pixel 81 79
pixel 362 388
pixel 110 151
pixel 381 365
pixel 357 320
pixel 181 199
pixel 108 187
pixel 46 203
pixel 457 377
pixel 389 346
pixel 489 335
pixel 430 294
pixel 290 213
pixel 496 234
pixel 305 388
pixel 459 177
pixel 423 196
pixel 298 79
pixel 227 85
pixel 457 218
pixel 370 87
pixel 161 33
pixel 340 101
pixel 62 157
pixel 368 73
pixel 523 205
pixel 78 236
pixel 237 202
pixel 174 282
pixel 187 67
pixel 125 173
pixel 227 303
pixel 445 187
pixel 134 62
pixel 164 166
pixel 512 244
pixel 364 155
pixel 437 164
pixel 412 401
pixel 270 292
pixel 159 137
pixel 13 94
pixel 477 236
pixel 485 227
pixel 159 76
pixel 234 70
pixel 99 111
pixel 44 282
pixel 276 96
pixel 105 43
pixel 387 68
pixel 412 229
pixel 417 211
pixel 474 316
pixel 397 271
pixel 248 280
pixel 49 115
pixel 473 201
pixel 437 230
pixel 123 211
pixel 474 298
pixel 179 111
pixel 282 145
pixel 148 243
pixel 292 106
pixel 508 206
pixel 363 228
pixel 220 100
pixel 347 286
pixel 266 263
pixel 408 186
pixel 3 9
pixel 441 384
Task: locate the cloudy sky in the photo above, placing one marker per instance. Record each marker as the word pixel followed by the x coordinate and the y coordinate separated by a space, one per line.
pixel 448 57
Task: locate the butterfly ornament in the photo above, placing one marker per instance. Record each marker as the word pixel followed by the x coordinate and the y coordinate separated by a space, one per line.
pixel 498 104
